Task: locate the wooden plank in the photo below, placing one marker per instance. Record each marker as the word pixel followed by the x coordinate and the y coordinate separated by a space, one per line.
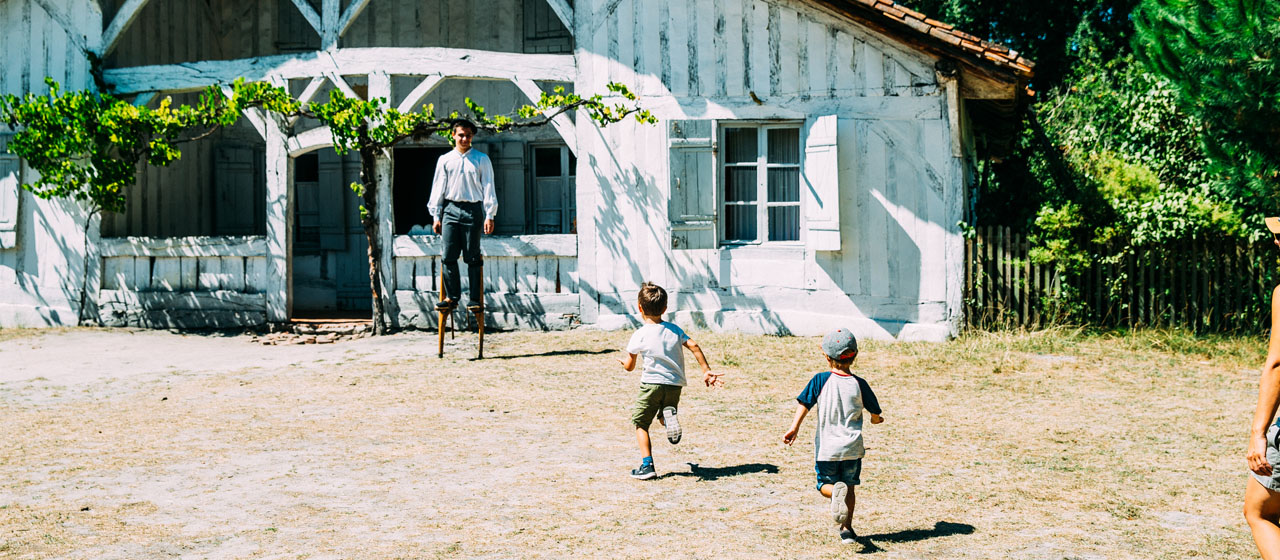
pixel 232 275
pixel 229 246
pixel 678 47
pixel 424 274
pixel 209 274
pixel 404 273
pixel 526 275
pixel 255 275
pixel 199 301
pixel 166 275
pixel 565 245
pixel 448 62
pixel 114 276
pixel 546 275
pixel 703 55
pixel 731 50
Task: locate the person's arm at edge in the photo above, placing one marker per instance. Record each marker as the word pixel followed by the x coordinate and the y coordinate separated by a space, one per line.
pixel 436 202
pixel 1268 395
pixel 628 363
pixel 790 437
pixel 490 195
pixel 870 402
pixel 711 379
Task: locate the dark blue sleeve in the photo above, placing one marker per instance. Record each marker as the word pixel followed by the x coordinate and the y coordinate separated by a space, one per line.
pixel 869 401
pixel 809 396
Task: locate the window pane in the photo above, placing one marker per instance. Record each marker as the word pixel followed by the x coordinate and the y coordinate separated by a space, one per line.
pixel 573 164
pixel 740 222
pixel 784 185
pixel 784 145
pixel 740 145
pixel 784 223
pixel 739 184
pixel 546 162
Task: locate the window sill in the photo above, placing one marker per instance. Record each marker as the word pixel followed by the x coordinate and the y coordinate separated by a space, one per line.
pixel 775 250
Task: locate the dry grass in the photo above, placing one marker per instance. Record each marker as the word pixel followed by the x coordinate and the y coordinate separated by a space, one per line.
pixel 1045 445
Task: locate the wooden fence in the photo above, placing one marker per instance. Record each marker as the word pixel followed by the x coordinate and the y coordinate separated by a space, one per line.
pixel 1202 285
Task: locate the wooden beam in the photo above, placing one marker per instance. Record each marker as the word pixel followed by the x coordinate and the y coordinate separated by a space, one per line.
pixel 308 93
pixel 74 35
pixel 564 12
pixel 420 92
pixel 143 99
pixel 254 116
pixel 562 123
pixel 124 16
pixel 309 141
pixel 330 20
pixel 221 246
pixel 445 62
pixel 310 15
pixel 342 84
pixel 349 17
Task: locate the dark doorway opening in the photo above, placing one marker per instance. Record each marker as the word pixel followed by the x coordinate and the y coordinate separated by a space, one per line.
pixel 411 187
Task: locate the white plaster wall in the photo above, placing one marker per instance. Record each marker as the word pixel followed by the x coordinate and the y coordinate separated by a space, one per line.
pixel 40 277
pixel 897 273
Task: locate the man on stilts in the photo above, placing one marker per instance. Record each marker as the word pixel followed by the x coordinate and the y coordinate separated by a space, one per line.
pixel 462 195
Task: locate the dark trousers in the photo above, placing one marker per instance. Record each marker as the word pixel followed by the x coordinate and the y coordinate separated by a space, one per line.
pixel 462 223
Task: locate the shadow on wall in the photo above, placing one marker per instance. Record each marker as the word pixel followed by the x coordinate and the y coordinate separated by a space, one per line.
pixel 70 246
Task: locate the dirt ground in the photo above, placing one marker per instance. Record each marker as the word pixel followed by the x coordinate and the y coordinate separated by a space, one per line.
pixel 118 444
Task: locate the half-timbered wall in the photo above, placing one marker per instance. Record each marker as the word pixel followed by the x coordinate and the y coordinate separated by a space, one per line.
pixel 895 271
pixel 41 241
pixel 174 31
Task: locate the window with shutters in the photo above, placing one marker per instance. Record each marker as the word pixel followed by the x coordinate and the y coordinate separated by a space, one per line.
pixel 760 174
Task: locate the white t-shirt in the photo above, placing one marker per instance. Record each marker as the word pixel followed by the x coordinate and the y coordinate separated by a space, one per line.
pixel 661 344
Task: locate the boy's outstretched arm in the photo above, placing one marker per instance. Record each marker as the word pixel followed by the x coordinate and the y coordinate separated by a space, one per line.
pixel 711 379
pixel 790 437
pixel 629 362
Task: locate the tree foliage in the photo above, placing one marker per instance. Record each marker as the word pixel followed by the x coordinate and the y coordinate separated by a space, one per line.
pixel 1223 58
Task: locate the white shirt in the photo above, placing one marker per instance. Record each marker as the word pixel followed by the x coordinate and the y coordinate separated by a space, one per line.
pixel 662 345
pixel 463 177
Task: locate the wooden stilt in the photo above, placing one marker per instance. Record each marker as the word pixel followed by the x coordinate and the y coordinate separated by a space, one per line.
pixel 480 317
pixel 444 317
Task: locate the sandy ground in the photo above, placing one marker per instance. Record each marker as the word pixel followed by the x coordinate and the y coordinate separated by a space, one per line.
pixel 119 444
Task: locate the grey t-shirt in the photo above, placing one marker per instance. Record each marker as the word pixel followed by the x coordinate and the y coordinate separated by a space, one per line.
pixel 661 345
pixel 840 400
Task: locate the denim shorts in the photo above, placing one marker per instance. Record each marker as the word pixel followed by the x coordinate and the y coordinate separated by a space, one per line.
pixel 830 472
pixel 1273 456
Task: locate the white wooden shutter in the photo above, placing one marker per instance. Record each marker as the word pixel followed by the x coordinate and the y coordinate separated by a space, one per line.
pixel 10 194
pixel 821 191
pixel 692 206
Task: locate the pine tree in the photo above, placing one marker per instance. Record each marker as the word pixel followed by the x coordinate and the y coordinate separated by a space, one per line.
pixel 1224 58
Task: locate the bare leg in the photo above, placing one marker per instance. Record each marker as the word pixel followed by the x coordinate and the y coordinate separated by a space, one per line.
pixel 1262 511
pixel 642 438
pixel 850 500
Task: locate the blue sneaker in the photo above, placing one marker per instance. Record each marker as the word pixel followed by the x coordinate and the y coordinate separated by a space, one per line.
pixel 643 472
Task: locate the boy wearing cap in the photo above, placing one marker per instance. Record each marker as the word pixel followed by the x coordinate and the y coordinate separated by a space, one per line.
pixel 840 397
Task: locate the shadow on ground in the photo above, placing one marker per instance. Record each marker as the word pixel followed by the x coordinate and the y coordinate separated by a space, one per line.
pixel 940 529
pixel 551 353
pixel 713 473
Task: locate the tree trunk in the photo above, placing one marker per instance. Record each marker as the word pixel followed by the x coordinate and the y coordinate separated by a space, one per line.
pixel 84 275
pixel 372 222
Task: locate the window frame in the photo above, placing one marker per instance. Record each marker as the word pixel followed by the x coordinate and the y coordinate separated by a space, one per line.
pixel 762 166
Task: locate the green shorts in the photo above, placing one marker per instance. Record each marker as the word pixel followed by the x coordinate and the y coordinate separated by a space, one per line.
pixel 653 398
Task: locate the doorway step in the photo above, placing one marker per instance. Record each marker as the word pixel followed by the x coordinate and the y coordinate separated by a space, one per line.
pixel 318 330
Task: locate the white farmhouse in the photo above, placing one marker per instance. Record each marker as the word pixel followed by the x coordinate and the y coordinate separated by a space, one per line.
pixel 810 168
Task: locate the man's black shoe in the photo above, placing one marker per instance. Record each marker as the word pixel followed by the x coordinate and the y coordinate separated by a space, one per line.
pixel 446 305
pixel 475 307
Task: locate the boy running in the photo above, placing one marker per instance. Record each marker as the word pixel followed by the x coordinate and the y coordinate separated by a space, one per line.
pixel 840 397
pixel 663 375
